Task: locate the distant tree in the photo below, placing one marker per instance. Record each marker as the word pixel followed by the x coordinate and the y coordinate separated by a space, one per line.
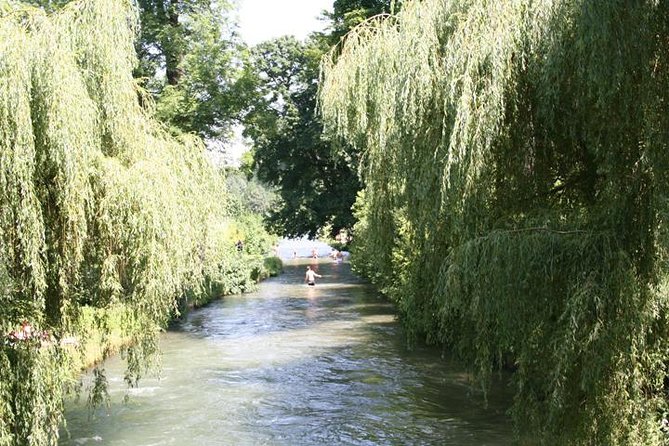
pixel 316 184
pixel 248 195
pixel 316 177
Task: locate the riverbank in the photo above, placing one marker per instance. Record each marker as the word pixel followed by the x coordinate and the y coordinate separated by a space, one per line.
pixel 38 369
pixel 107 331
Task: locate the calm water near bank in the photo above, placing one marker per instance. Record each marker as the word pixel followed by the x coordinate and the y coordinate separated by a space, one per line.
pixel 295 365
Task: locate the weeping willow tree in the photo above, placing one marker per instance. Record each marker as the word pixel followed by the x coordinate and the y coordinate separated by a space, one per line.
pixel 515 161
pixel 102 213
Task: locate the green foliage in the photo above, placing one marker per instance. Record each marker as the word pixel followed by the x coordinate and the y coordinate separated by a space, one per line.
pixel 49 5
pixel 248 195
pixel 316 184
pixel 191 60
pixel 273 266
pixel 256 240
pixel 316 177
pixel 31 382
pixel 515 162
pixel 347 14
pixel 106 220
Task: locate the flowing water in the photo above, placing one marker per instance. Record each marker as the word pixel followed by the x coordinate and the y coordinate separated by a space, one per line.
pixel 295 365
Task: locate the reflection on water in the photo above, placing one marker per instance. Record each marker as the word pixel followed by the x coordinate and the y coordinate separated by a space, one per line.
pixel 294 365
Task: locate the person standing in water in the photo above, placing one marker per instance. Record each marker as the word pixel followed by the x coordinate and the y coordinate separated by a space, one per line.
pixel 310 276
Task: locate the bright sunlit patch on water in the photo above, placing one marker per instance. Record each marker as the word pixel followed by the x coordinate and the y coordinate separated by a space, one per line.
pixel 143 391
pixel 88 440
pixel 379 319
pixel 283 347
pixel 302 248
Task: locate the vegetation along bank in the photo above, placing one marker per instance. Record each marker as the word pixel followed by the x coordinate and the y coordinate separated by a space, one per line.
pixel 515 161
pixel 107 218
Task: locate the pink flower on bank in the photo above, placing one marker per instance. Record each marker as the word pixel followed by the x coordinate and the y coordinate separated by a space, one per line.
pixel 27 332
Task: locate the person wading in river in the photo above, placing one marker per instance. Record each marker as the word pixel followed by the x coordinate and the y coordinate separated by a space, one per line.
pixel 310 276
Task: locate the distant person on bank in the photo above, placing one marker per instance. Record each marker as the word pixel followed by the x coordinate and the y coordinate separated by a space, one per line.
pixel 310 276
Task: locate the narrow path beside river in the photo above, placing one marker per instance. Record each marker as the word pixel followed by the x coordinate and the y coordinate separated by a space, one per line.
pixel 295 365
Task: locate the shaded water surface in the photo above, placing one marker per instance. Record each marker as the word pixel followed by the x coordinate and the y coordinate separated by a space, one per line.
pixel 295 365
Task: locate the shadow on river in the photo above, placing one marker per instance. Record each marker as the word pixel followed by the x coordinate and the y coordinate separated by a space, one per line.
pixel 295 365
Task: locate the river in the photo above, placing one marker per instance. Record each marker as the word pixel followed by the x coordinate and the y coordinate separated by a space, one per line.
pixel 294 365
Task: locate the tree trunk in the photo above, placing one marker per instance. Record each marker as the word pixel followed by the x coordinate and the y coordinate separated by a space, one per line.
pixel 174 48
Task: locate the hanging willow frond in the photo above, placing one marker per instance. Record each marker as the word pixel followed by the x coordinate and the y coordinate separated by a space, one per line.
pixel 515 161
pixel 102 211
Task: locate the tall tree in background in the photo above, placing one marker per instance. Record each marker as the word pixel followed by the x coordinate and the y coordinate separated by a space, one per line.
pixel 316 186
pixel 316 177
pixel 191 60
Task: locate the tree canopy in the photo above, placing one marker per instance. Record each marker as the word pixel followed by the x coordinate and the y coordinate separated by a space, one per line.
pixel 316 184
pixel 192 61
pixel 347 14
pixel 515 162
pixel 316 177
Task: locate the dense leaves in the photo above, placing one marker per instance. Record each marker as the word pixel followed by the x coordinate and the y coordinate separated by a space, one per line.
pixel 106 220
pixel 191 60
pixel 515 160
pixel 316 177
pixel 248 196
pixel 347 14
pixel 316 183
